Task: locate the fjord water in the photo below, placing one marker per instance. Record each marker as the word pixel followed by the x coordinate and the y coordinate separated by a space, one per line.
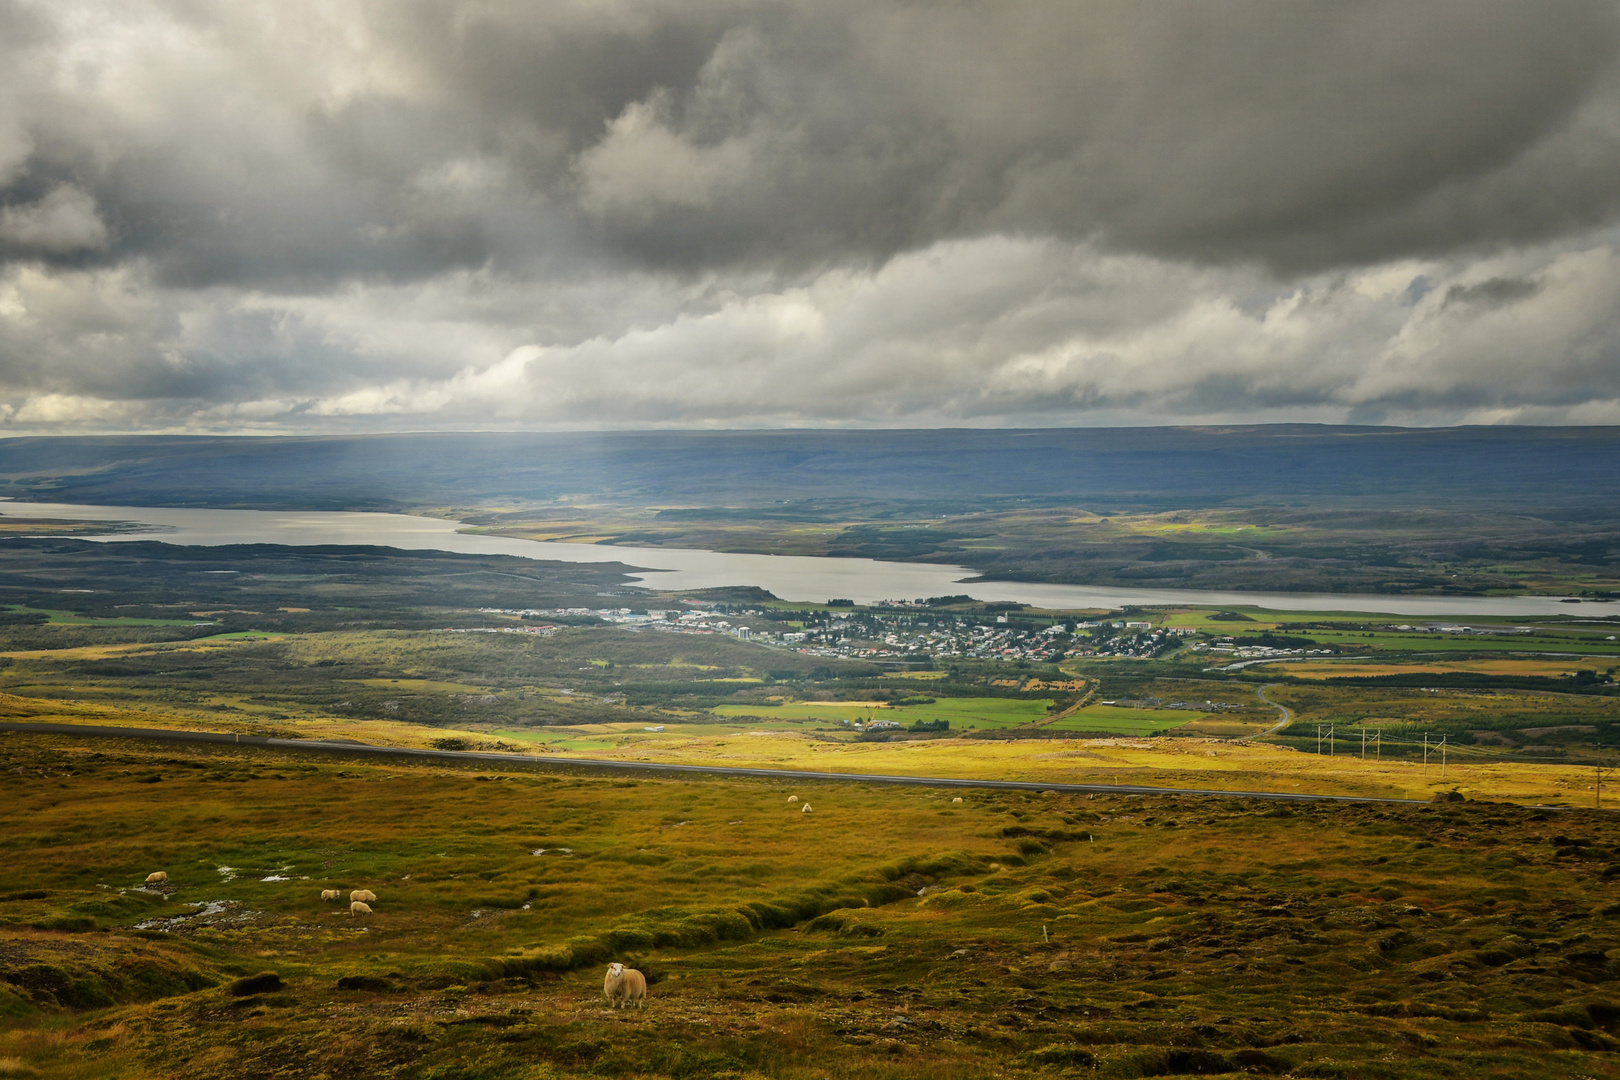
pixel 791 577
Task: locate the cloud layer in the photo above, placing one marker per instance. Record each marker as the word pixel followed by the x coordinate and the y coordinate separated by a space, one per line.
pixel 311 216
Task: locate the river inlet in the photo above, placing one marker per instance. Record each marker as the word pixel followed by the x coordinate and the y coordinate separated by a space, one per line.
pixel 791 577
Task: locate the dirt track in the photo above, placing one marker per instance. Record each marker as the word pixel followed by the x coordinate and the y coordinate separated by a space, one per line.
pixel 518 761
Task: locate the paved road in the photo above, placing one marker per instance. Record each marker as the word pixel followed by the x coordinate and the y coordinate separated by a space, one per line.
pixel 518 761
pixel 1287 717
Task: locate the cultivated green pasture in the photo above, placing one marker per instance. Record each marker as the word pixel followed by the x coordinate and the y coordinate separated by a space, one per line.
pixel 1545 641
pixel 1123 721
pixel 55 617
pixel 963 713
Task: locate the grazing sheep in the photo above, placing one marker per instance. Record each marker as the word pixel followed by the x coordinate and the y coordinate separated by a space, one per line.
pixel 624 984
pixel 957 799
pixel 159 878
pixel 364 895
pixel 330 895
pixel 805 809
pixel 793 798
pixel 359 908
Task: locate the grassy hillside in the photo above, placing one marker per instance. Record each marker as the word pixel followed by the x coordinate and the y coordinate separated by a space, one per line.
pixel 886 933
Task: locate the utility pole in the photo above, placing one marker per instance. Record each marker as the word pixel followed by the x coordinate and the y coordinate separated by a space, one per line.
pixel 1443 739
pixel 1363 744
pixel 1425 753
pixel 1330 740
pixel 1379 743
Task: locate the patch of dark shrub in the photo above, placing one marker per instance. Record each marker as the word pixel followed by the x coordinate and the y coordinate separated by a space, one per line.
pixel 263 983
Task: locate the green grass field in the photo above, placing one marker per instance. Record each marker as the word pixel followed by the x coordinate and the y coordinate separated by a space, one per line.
pixel 966 713
pixel 1113 718
pixel 1559 641
pixel 1563 724
pixel 69 618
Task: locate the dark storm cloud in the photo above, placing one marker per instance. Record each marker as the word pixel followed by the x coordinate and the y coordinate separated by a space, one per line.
pixel 726 212
pixel 1495 292
pixel 1305 134
pixel 696 135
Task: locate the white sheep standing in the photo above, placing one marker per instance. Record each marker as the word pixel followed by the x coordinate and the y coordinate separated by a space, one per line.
pixel 359 907
pixel 365 896
pixel 161 877
pixel 805 809
pixel 330 895
pixel 627 985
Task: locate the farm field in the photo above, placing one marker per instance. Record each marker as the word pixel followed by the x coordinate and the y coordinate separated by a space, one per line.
pixel 1173 761
pixel 1114 718
pixel 1575 726
pixel 1167 762
pixel 1193 760
pixel 962 713
pixel 888 933
pixel 1570 643
pixel 68 618
pixel 1360 631
pixel 1333 669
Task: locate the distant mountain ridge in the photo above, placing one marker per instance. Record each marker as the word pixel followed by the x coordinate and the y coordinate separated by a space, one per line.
pixel 1563 471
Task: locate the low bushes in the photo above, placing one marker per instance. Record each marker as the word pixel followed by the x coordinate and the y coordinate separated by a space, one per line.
pixel 96 985
pixel 1177 1061
pixel 682 928
pixel 263 983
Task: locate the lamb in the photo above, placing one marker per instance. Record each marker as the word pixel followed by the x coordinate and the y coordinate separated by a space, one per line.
pixel 957 799
pixel 358 908
pixel 805 809
pixel 793 798
pixel 364 895
pixel 159 878
pixel 624 984
pixel 330 895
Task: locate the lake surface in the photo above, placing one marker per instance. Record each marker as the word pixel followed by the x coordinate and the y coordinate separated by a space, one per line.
pixel 791 577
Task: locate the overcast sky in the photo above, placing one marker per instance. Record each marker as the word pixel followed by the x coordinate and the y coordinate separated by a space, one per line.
pixel 333 216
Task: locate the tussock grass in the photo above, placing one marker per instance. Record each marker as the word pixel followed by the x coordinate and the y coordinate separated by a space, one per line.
pixel 890 933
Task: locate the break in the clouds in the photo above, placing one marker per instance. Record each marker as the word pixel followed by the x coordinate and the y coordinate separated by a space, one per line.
pixel 311 216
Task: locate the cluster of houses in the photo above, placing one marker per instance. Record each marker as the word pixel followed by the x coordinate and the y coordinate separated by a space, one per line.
pixel 908 631
pixel 696 621
pixel 1452 628
pixel 1140 641
pixel 1256 652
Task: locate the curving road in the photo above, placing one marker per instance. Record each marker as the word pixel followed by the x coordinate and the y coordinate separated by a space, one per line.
pixel 510 761
pixel 1287 717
